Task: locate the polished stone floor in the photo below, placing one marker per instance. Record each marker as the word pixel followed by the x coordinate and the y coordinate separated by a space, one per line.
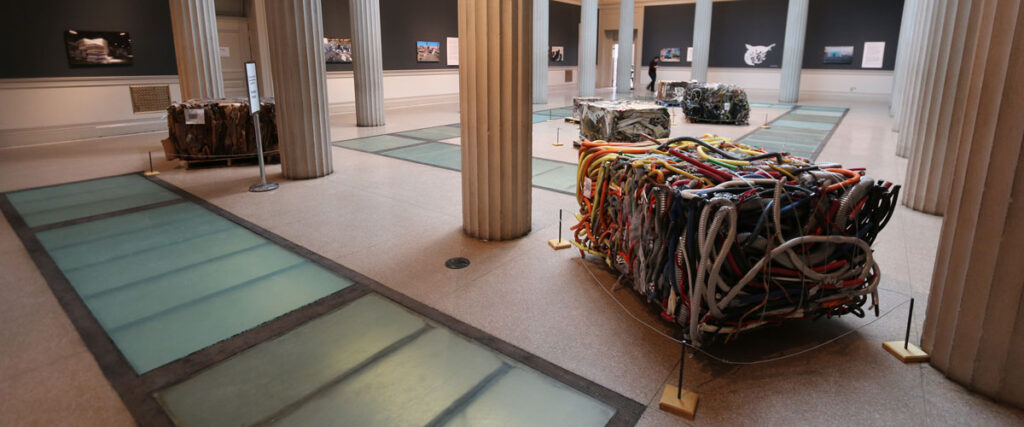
pixel 397 222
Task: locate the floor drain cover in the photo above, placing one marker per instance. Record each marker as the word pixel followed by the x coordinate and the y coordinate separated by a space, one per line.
pixel 457 263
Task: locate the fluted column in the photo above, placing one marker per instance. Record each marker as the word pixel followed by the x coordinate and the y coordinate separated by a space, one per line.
pixel 261 52
pixel 495 64
pixel 793 51
pixel 367 66
pixel 917 76
pixel 300 87
pixel 701 41
pixel 540 51
pixel 625 60
pixel 588 47
pixel 974 325
pixel 196 48
pixel 899 73
pixel 927 185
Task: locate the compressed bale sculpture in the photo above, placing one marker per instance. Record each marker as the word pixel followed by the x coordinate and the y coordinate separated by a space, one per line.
pixel 722 237
pixel 623 121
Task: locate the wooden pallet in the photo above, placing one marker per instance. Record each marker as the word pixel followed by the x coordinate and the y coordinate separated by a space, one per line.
pixel 271 158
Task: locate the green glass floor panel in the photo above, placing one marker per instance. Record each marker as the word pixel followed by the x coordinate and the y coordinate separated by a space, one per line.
pixel 261 381
pixel 433 153
pixel 172 334
pixel 371 363
pixel 540 118
pixel 791 136
pixel 377 143
pixel 436 133
pixel 802 125
pixel 545 165
pixel 525 398
pixel 812 118
pixel 138 223
pixel 168 281
pixel 767 105
pixel 560 179
pixel 817 108
pixel 814 112
pixel 83 199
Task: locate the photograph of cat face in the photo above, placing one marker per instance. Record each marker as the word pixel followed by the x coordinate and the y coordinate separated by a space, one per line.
pixel 755 55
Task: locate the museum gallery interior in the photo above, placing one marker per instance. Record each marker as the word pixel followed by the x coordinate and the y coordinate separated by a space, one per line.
pixel 512 212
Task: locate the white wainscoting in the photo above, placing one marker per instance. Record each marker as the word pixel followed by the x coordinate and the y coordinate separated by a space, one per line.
pixel 41 110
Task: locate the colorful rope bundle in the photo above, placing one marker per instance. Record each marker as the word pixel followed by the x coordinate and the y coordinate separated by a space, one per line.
pixel 723 237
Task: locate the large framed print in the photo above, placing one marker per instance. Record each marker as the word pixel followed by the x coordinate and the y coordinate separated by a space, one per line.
pixel 87 48
pixel 337 51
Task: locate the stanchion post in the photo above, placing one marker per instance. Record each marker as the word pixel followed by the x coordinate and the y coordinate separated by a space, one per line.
pixel 558 138
pixel 676 400
pixel 559 243
pixel 905 351
pixel 151 172
pixel 254 110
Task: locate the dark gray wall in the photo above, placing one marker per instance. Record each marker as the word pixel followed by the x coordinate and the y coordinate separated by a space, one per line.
pixel 668 26
pixel 402 24
pixel 851 23
pixel 336 25
pixel 734 24
pixel 35 29
pixel 763 22
pixel 564 30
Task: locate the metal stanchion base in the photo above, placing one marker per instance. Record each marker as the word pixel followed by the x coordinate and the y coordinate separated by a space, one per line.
pixel 259 188
pixel 684 407
pixel 911 354
pixel 151 173
pixel 557 244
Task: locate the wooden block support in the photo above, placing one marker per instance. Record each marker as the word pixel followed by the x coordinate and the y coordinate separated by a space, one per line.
pixel 911 354
pixel 684 407
pixel 557 244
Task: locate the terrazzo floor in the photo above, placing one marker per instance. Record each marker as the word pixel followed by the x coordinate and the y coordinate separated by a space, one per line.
pixel 397 222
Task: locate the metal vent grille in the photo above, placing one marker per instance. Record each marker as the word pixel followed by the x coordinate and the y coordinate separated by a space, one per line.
pixel 150 98
pixel 568 76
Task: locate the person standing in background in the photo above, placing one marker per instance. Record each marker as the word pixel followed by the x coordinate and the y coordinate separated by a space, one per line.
pixel 652 70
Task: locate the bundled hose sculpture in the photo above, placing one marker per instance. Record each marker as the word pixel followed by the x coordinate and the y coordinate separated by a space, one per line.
pixel 716 103
pixel 725 237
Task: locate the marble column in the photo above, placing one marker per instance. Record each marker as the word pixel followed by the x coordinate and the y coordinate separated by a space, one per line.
pixel 917 74
pixel 367 66
pixel 793 51
pixel 540 51
pixel 974 324
pixel 196 48
pixel 257 12
pixel 899 74
pixel 625 61
pixel 926 187
pixel 588 47
pixel 496 61
pixel 300 87
pixel 701 41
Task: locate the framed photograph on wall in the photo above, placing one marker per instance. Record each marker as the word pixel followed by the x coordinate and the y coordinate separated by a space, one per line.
pixel 838 55
pixel 86 48
pixel 428 52
pixel 338 51
pixel 557 53
pixel 669 54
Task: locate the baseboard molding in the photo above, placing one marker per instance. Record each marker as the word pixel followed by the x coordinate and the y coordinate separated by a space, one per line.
pixel 44 135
